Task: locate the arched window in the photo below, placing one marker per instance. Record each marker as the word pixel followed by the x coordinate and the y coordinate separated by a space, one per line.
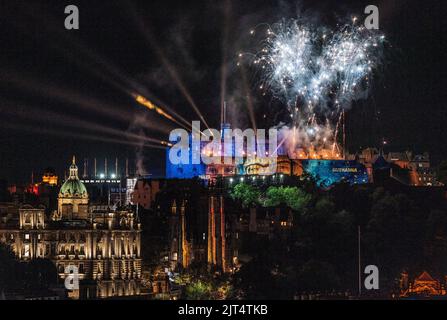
pixel 60 268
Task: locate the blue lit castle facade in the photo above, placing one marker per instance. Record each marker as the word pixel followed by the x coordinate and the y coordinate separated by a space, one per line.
pixel 325 171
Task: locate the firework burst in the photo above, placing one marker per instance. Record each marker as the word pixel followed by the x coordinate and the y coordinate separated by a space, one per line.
pixel 317 73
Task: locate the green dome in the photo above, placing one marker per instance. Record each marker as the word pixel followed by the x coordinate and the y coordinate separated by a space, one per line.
pixel 73 188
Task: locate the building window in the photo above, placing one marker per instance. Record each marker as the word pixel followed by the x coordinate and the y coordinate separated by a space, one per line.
pixel 39 236
pixel 61 268
pixel 27 236
pixel 26 252
pixel 81 268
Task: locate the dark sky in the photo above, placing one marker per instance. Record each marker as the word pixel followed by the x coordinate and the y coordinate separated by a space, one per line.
pixel 67 92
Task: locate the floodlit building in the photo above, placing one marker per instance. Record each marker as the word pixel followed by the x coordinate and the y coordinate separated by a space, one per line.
pixel 423 285
pixel 49 177
pixel 100 244
pixel 144 192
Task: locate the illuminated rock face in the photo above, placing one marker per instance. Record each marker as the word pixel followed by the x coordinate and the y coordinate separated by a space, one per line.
pixel 328 172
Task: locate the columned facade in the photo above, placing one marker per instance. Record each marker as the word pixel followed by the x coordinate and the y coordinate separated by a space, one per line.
pixel 102 245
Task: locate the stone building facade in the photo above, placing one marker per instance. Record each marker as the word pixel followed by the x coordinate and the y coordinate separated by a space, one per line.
pixel 100 244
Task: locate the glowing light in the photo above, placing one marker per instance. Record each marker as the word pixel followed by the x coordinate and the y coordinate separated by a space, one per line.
pixel 317 74
pixel 151 106
pixel 165 143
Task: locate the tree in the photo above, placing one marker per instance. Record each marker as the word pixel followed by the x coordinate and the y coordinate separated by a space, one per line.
pixel 206 287
pixel 293 197
pixel 259 279
pixel 318 276
pixel 39 274
pixel 16 275
pixel 8 268
pixel 247 194
pixel 198 290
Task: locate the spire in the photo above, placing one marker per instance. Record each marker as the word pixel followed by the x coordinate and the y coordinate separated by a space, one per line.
pixel 73 170
pixel 225 112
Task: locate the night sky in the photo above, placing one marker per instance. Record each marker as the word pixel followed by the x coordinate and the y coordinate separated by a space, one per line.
pixel 65 93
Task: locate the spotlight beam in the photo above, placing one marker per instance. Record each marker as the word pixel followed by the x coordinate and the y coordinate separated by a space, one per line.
pixel 78 123
pixel 59 133
pixel 166 63
pixel 87 103
pixel 223 68
pixel 151 106
pixel 249 104
pixel 125 83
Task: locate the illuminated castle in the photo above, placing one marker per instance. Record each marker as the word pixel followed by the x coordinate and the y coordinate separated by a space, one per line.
pixel 325 170
pixel 101 244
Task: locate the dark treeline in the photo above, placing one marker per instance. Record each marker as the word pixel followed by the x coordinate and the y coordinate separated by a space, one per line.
pixel 401 228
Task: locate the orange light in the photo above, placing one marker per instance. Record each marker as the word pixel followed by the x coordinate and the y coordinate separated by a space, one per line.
pixel 148 104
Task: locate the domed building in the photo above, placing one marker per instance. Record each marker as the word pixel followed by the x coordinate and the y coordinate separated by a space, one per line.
pixel 102 245
pixel 73 197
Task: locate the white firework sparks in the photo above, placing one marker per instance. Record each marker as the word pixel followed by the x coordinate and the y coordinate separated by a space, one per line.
pixel 318 74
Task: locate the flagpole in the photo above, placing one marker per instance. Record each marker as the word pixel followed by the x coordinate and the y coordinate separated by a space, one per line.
pixel 359 262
